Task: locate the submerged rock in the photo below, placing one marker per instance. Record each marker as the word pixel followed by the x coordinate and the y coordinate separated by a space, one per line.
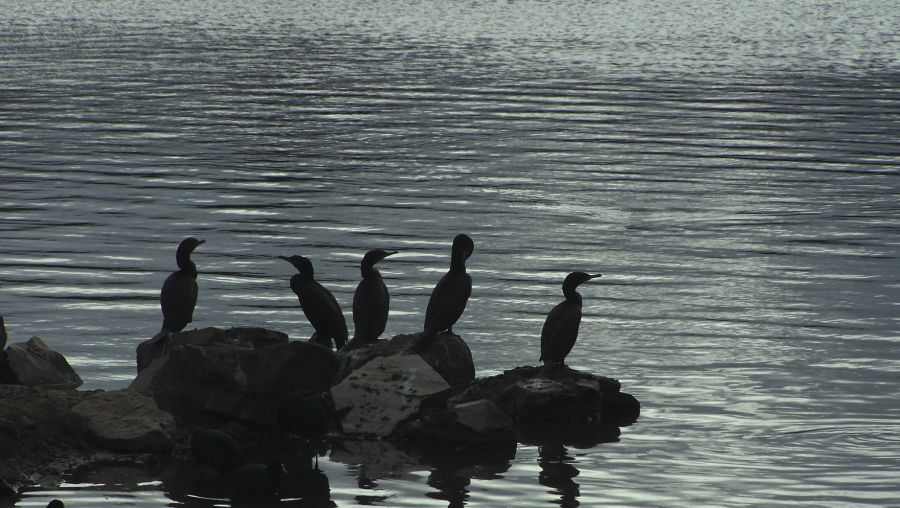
pixel 126 421
pixel 242 373
pixel 383 392
pixel 447 354
pixel 32 363
pixel 466 426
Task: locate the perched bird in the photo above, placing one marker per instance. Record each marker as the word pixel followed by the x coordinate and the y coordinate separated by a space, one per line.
pixel 254 481
pixel 179 292
pixel 216 449
pixel 561 326
pixel 318 304
pixel 177 299
pixel 449 297
pixel 371 302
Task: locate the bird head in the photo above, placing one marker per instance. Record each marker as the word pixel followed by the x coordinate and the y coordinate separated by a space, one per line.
pixel 464 245
pixel 302 264
pixel 374 256
pixel 574 279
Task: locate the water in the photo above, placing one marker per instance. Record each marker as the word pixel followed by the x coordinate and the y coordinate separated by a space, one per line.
pixel 732 170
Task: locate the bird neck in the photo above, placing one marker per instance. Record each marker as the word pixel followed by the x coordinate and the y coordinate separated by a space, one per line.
pixel 572 295
pixel 370 272
pixel 186 265
pixel 458 261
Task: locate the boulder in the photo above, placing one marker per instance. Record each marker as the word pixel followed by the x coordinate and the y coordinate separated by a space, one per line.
pixel 383 392
pixel 37 425
pixel 467 426
pixel 564 396
pixel 447 354
pixel 32 363
pixel 242 373
pixel 126 421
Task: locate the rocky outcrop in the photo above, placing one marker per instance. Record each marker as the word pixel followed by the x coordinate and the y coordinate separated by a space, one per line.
pixel 447 354
pixel 383 392
pixel 32 363
pixel 126 421
pixel 465 426
pixel 37 425
pixel 241 373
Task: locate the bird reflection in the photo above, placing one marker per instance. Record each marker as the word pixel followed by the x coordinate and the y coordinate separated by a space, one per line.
pixel 557 472
pixel 452 485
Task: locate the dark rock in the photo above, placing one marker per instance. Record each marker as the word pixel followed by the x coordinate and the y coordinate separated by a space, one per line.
pixel 308 415
pixel 447 354
pixel 126 421
pixel 32 363
pixel 562 395
pixel 242 373
pixel 468 425
pixel 384 392
pixel 216 449
pixel 37 425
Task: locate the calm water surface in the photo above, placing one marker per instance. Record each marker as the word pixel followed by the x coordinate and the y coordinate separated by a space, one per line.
pixel 732 169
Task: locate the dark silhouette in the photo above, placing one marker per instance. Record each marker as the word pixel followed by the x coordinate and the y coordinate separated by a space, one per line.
pixel 318 304
pixel 561 327
pixel 256 482
pixel 450 295
pixel 558 473
pixel 56 503
pixel 216 449
pixel 307 415
pixel 371 302
pixel 179 292
pixel 177 299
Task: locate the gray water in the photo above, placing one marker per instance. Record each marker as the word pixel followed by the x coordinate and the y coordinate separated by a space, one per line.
pixel 732 169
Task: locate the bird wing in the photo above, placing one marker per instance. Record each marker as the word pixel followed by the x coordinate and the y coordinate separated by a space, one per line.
pixel 371 303
pixel 560 331
pixel 177 299
pixel 448 301
pixel 323 311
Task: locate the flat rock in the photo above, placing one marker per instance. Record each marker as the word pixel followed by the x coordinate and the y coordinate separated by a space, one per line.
pixel 32 363
pixel 126 421
pixel 383 392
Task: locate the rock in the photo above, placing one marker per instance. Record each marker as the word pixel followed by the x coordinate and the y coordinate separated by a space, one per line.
pixel 242 373
pixel 467 426
pixel 383 392
pixel 448 354
pixel 37 426
pixel 565 396
pixel 32 363
pixel 126 421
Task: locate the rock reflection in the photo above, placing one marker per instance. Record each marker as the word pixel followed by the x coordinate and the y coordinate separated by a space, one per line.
pixel 557 472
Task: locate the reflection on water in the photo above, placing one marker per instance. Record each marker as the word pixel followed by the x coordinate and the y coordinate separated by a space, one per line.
pixel 731 170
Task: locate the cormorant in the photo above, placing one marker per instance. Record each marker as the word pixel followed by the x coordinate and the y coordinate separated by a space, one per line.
pixel 449 297
pixel 216 449
pixel 177 299
pixel 56 503
pixel 179 292
pixel 371 302
pixel 318 304
pixel 561 327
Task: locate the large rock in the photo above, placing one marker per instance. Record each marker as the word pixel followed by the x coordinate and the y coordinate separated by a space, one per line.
pixel 561 396
pixel 37 425
pixel 383 392
pixel 447 354
pixel 242 373
pixel 32 363
pixel 466 426
pixel 126 421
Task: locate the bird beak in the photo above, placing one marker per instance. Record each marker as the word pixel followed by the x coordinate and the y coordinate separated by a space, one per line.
pixel 285 258
pixel 596 276
pixel 200 241
pixel 391 253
